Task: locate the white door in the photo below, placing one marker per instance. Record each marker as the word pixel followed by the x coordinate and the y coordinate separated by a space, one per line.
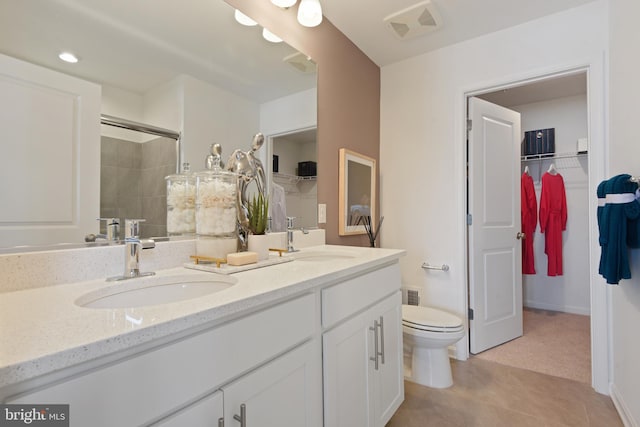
pixel 50 122
pixel 495 263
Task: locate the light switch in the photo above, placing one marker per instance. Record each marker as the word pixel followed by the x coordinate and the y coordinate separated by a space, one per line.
pixel 322 213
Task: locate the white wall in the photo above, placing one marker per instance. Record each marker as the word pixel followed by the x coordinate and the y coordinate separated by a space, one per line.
pixel 570 292
pixel 214 115
pixel 293 112
pixel 625 158
pixel 124 104
pixel 205 114
pixel 160 106
pixel 422 150
pixel 163 105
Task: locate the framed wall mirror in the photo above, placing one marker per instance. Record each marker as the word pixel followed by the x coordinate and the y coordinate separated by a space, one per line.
pixel 357 193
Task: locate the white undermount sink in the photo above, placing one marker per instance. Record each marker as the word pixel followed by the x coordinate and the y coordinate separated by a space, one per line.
pixel 154 290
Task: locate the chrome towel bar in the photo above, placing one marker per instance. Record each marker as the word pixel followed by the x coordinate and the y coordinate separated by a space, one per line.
pixel 443 267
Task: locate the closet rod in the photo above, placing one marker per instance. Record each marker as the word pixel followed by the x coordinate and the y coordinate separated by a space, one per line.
pixel 551 157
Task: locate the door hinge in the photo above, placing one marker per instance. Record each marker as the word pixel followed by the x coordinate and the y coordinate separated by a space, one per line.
pixel 469 125
pixel 470 314
pixel 469 219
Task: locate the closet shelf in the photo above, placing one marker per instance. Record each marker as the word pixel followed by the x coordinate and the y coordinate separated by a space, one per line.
pixel 549 156
pixel 284 177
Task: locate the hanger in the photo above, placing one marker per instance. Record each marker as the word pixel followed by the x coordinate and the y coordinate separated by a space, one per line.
pixel 526 170
pixel 552 169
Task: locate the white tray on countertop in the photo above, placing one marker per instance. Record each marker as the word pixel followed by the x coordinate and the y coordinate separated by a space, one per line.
pixel 230 269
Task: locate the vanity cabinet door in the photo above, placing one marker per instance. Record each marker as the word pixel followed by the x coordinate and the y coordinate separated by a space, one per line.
pixel 283 393
pixel 363 381
pixel 347 373
pixel 204 413
pixel 389 378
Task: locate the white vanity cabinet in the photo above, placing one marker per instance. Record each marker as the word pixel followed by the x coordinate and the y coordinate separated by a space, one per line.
pixel 284 392
pixel 166 381
pixel 325 350
pixel 362 354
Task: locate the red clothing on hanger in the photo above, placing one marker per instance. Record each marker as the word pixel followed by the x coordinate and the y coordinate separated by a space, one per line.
pixel 553 220
pixel 529 216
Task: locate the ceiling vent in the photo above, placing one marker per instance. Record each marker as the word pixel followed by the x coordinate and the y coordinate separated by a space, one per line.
pixel 301 62
pixel 414 21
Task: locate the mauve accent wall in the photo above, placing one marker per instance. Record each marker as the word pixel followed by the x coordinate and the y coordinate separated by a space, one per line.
pixel 348 99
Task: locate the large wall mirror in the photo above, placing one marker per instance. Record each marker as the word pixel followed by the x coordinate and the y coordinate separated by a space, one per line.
pixel 188 66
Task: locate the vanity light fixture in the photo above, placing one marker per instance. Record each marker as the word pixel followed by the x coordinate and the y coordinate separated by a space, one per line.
pixel 284 3
pixel 244 19
pixel 310 13
pixel 269 36
pixel 68 57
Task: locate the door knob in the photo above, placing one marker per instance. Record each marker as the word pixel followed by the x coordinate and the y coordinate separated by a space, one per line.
pixel 521 235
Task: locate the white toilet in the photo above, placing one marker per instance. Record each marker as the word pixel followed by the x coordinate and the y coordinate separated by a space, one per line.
pixel 427 333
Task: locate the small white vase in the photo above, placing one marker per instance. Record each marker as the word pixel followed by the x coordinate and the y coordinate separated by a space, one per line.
pixel 259 243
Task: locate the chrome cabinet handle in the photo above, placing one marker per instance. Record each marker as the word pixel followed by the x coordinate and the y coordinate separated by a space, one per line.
pixel 243 416
pixel 220 422
pixel 521 235
pixel 375 345
pixel 381 324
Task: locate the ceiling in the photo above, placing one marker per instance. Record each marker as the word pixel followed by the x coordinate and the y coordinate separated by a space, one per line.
pixel 552 88
pixel 363 22
pixel 137 45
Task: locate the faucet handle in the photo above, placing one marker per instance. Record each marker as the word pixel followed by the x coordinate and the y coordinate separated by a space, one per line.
pixel 112 227
pixel 132 228
pixel 290 222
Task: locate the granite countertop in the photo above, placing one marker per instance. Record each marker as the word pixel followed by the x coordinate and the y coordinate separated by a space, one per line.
pixel 42 330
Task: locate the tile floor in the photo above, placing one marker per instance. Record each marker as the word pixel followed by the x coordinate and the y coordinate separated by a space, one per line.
pixel 490 394
pixel 553 343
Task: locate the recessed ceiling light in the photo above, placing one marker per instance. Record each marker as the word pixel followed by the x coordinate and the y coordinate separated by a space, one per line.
pixel 68 57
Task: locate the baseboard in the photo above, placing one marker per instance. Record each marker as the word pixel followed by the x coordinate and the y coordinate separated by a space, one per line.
pixel 555 307
pixel 621 407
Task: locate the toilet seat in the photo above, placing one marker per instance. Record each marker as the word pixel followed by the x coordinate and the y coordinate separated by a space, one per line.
pixel 429 319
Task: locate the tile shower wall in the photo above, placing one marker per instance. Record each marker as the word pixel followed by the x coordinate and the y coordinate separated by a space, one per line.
pixel 132 181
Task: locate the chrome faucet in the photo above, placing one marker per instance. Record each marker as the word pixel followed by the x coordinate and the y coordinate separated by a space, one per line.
pixel 132 247
pixel 112 231
pixel 290 247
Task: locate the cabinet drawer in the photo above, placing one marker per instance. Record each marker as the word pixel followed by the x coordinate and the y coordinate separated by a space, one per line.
pixel 347 298
pixel 150 385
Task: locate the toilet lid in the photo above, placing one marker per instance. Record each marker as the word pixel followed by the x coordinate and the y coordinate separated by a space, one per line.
pixel 427 317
